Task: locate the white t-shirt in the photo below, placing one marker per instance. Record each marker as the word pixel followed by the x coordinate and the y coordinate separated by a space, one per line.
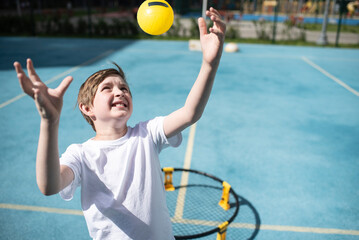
pixel 122 192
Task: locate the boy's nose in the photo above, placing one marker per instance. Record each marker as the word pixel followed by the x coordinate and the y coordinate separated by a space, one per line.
pixel 118 92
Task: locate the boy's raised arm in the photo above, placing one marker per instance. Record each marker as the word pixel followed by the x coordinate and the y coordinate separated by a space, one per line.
pixel 212 47
pixel 50 176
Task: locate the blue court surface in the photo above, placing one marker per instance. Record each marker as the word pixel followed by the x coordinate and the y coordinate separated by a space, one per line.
pixel 281 126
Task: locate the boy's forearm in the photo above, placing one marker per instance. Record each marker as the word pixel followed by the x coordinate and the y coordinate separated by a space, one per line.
pixel 201 90
pixel 195 103
pixel 47 160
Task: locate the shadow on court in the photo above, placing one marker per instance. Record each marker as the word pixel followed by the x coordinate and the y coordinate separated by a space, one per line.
pixel 199 207
pixel 54 52
pixel 250 227
pixel 278 126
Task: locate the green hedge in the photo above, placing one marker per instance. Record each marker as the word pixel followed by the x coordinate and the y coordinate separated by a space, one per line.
pixel 64 26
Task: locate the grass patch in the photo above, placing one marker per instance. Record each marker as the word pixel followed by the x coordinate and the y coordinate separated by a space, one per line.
pixel 289 43
pixel 332 28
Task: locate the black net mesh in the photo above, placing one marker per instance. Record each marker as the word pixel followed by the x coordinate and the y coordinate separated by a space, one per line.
pixel 193 205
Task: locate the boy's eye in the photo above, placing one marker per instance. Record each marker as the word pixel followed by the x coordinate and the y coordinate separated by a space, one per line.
pixel 105 88
pixel 124 89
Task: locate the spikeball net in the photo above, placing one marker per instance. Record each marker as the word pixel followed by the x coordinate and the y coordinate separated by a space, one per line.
pixel 200 204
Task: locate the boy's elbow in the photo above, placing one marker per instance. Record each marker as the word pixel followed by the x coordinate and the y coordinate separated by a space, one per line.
pixel 46 190
pixel 193 113
pixel 189 116
pixel 194 117
pixel 48 193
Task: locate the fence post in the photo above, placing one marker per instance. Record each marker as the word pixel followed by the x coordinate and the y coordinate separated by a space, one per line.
pixel 275 21
pixel 323 39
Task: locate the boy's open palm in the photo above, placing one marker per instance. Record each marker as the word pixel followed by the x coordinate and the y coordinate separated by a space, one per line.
pixel 212 42
pixel 48 101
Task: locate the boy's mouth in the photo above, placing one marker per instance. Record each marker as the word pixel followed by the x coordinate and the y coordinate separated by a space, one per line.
pixel 119 104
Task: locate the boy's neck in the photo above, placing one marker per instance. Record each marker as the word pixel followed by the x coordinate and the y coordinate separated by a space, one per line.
pixel 111 134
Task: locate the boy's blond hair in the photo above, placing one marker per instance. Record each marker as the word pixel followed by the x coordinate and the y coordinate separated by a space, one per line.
pixel 89 88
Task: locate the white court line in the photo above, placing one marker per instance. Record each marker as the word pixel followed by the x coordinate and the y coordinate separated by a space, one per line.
pixel 63 74
pixel 195 221
pixel 341 83
pixel 269 227
pixel 40 209
pixel 184 179
pixel 309 230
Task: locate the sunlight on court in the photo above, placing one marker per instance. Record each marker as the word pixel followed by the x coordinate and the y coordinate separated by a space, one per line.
pixel 281 128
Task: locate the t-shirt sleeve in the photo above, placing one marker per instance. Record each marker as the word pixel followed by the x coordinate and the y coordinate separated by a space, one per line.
pixel 155 127
pixel 71 158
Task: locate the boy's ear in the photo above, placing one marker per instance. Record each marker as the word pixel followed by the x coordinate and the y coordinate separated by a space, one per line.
pixel 86 109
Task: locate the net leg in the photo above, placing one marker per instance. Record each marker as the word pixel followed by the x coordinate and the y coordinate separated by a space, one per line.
pixel 168 179
pixel 224 203
pixel 221 235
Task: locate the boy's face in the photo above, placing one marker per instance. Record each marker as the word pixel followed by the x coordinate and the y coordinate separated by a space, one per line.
pixel 112 101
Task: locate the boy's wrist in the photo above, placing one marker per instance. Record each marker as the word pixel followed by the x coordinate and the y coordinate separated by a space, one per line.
pixel 210 66
pixel 49 124
pixel 214 62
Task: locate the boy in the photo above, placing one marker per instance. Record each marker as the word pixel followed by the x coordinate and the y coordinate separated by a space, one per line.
pixel 122 193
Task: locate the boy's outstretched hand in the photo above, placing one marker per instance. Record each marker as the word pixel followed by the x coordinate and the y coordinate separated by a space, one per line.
pixel 48 101
pixel 212 42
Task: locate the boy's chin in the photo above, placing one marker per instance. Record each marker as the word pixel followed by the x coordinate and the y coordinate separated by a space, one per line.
pixel 123 115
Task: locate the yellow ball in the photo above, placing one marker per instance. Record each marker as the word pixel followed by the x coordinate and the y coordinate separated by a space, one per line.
pixel 155 17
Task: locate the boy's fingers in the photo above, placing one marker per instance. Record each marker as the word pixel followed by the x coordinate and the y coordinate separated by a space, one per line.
pixel 216 31
pixel 24 81
pixel 215 11
pixel 18 68
pixel 214 15
pixel 26 85
pixel 202 26
pixel 31 71
pixel 215 18
pixel 64 85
